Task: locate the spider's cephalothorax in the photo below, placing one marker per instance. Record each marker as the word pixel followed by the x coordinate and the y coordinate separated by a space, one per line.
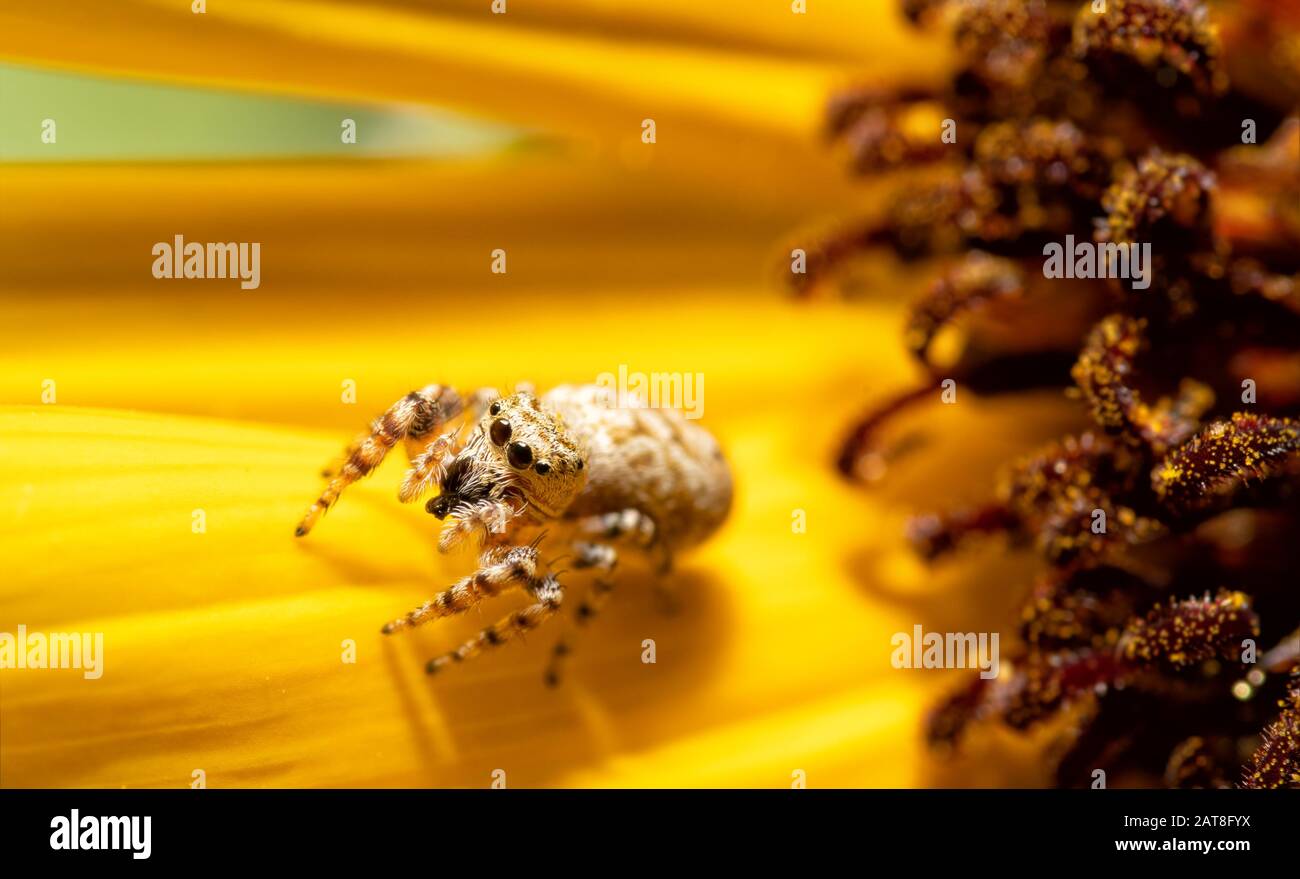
pixel 518 460
pixel 1166 124
pixel 568 461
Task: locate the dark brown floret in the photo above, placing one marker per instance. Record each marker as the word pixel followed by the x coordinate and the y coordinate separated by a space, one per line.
pixel 1189 632
pixel 1225 458
pixel 1200 763
pixel 1166 38
pixel 1276 764
pixel 1004 42
pixel 1105 374
pixel 977 279
pixel 1118 128
pixel 1164 197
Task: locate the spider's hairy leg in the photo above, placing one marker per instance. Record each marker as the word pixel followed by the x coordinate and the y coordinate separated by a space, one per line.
pixel 549 593
pixel 429 457
pixel 500 568
pixel 415 441
pixel 630 526
pixel 418 414
pixel 467 411
pixel 599 557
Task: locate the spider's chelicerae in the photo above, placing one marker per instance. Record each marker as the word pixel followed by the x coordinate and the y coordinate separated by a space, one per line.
pixel 568 461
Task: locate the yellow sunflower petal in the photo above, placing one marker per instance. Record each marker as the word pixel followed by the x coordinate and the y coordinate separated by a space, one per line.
pixel 571 80
pixel 224 639
pixel 223 647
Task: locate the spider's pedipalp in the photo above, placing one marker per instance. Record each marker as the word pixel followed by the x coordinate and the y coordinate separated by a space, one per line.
pixel 416 415
pixel 487 518
pixel 428 467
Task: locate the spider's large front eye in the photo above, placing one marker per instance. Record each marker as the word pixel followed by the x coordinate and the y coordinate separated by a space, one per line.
pixel 500 431
pixel 519 455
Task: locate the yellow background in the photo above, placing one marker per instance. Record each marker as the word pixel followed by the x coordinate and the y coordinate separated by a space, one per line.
pixel 223 649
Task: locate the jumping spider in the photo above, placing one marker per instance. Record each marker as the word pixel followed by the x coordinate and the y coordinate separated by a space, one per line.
pixel 1121 126
pixel 568 461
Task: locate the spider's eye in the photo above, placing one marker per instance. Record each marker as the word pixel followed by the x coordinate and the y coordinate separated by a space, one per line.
pixel 495 408
pixel 579 463
pixel 500 432
pixel 519 455
pixel 542 467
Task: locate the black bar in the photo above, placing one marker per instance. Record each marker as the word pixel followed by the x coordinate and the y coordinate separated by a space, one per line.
pixel 522 829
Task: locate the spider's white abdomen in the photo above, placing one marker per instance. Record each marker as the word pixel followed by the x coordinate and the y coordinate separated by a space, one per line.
pixel 655 461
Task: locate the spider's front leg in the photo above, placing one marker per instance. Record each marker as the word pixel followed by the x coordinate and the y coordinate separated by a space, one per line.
pixel 602 558
pixel 549 594
pixel 630 526
pixel 429 458
pixel 416 416
pixel 633 528
pixel 500 568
